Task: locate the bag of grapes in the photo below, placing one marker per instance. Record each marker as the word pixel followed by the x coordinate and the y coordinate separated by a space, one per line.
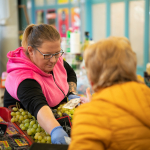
pixel 18 142
pixel 4 143
pixel 12 130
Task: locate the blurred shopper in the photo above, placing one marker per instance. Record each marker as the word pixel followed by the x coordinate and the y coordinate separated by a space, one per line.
pixel 39 77
pixel 118 116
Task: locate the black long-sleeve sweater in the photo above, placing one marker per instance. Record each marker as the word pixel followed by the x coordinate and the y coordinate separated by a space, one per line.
pixel 30 93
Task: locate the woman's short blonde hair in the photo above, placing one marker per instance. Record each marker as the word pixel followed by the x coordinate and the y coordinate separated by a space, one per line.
pixel 110 61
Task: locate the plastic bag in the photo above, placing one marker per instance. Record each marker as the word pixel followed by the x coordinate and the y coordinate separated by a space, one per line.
pixel 82 80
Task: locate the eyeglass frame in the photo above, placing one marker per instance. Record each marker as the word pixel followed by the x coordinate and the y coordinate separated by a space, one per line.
pixel 51 55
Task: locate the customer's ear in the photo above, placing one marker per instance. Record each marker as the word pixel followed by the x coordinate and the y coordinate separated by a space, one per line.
pixel 91 83
pixel 30 51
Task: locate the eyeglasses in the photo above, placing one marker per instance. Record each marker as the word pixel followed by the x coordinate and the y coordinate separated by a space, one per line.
pixel 49 56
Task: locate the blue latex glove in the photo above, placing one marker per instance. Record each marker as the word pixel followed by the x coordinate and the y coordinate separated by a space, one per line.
pixel 71 96
pixel 57 135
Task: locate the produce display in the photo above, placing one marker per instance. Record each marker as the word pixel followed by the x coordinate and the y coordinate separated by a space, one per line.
pixel 28 123
pixel 12 139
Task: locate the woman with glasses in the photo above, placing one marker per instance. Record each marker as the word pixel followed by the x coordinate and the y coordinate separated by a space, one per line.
pixel 39 78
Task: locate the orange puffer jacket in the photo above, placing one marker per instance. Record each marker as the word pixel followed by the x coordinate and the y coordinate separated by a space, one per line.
pixel 117 118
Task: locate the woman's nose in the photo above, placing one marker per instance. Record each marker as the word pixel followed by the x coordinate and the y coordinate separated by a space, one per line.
pixel 53 59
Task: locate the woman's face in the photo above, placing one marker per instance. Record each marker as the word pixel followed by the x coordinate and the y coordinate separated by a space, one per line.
pixel 37 58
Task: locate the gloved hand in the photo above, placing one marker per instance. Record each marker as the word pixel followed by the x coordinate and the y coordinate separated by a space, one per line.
pixel 57 135
pixel 72 96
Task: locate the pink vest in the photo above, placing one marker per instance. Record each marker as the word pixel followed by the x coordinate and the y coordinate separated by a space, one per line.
pixel 19 68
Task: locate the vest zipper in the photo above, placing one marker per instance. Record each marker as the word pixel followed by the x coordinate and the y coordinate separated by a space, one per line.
pixel 57 85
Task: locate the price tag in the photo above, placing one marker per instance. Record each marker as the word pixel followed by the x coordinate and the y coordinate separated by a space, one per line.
pixel 72 103
pixel 65 123
pixel 3 127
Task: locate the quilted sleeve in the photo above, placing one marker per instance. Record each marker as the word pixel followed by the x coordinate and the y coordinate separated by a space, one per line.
pixel 90 129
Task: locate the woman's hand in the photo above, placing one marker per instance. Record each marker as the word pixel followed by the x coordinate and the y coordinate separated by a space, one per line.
pixel 48 122
pixel 57 135
pixel 88 98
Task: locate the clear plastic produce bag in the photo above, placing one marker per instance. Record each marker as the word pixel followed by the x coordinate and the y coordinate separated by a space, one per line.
pixel 82 80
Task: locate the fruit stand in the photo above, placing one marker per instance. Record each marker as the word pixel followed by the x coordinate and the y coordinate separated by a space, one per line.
pixel 25 127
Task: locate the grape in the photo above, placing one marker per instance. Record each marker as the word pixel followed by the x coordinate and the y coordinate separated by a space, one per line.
pixel 43 134
pixel 21 110
pixel 23 113
pixel 12 119
pixel 59 108
pixel 26 125
pixel 19 121
pixel 35 126
pixel 13 113
pixel 65 114
pixel 33 130
pixel 39 138
pixel 42 141
pixel 63 110
pixel 21 125
pixel 29 115
pixel 17 116
pixel 14 109
pixel 46 133
pixel 29 132
pixel 21 118
pixel 48 138
pixel 39 125
pixel 32 122
pixel 33 118
pixel 37 134
pixel 25 116
pixel 17 113
pixel 45 138
pixel 27 121
pixel 71 111
pixel 48 142
pixel 38 129
pixel 36 137
pixel 59 113
pixel 30 126
pixel 42 130
pixel 23 128
pixel 16 119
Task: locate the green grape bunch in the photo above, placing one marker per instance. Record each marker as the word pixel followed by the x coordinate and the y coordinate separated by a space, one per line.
pixel 61 112
pixel 29 124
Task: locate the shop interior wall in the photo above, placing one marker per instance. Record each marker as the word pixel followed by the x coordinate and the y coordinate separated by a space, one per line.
pixel 104 21
pixel 9 34
pixel 129 18
pixel 85 13
pixel 89 22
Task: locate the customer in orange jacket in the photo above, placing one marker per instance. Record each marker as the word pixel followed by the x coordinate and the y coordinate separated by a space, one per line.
pixel 118 115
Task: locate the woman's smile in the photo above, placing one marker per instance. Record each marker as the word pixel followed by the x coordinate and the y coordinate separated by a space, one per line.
pixel 50 65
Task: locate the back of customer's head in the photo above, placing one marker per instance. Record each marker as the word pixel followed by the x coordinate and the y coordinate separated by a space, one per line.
pixel 110 61
pixel 35 35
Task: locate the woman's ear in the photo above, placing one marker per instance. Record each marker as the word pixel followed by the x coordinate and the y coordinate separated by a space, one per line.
pixel 30 51
pixel 91 83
